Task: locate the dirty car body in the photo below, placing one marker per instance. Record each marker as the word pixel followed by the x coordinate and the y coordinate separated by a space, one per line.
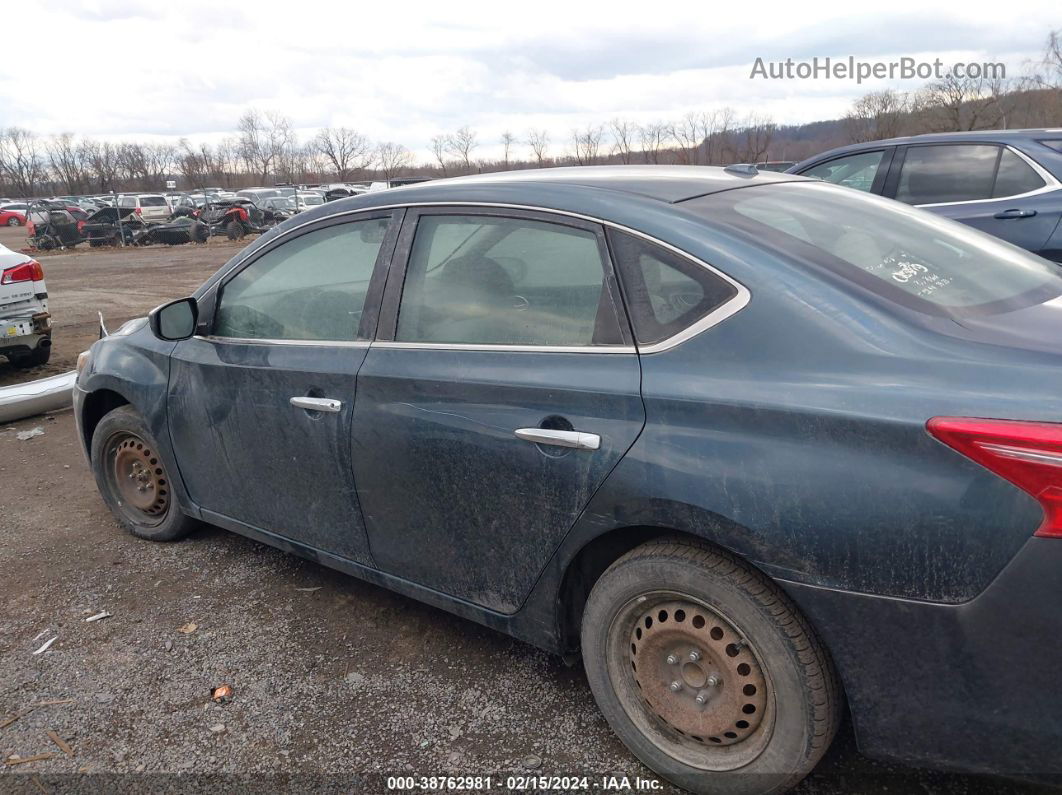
pixel 756 376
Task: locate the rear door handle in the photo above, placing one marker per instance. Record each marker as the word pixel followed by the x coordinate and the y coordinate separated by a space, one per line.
pixel 576 439
pixel 1015 214
pixel 317 404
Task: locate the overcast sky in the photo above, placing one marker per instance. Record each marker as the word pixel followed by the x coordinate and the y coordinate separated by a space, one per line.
pixel 405 71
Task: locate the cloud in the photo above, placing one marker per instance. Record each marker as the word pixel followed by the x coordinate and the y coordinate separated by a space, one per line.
pixel 405 72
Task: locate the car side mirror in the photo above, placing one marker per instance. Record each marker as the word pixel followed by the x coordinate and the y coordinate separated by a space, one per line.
pixel 175 320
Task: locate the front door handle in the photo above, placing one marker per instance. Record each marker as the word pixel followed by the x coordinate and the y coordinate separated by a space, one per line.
pixel 317 404
pixel 1003 216
pixel 576 439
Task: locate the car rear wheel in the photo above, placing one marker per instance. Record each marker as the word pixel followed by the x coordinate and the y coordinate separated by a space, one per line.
pixel 12 221
pixel 707 672
pixel 133 479
pixel 235 230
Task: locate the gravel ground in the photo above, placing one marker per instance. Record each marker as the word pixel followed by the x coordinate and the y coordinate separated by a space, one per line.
pixel 332 678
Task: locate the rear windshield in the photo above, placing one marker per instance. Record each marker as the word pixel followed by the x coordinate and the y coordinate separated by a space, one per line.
pixel 909 255
pixel 152 201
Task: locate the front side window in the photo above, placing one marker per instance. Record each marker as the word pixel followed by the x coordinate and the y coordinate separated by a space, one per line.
pixel 947 173
pixel 665 293
pixel 311 288
pixel 486 280
pixel 918 259
pixel 853 171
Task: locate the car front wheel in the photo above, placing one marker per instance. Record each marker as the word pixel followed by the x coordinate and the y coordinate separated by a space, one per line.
pixel 12 221
pixel 706 670
pixel 133 480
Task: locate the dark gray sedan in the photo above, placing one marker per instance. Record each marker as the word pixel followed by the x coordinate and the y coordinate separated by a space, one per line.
pixel 757 448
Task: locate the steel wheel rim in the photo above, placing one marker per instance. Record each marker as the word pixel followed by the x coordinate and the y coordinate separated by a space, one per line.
pixel 733 723
pixel 138 478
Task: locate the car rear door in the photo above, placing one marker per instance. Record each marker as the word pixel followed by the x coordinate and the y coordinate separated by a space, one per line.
pixel 261 400
pixel 991 187
pixel 501 391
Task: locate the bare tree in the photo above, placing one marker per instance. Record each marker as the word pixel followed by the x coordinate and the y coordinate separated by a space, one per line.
pixel 538 140
pixel 461 145
pixel 652 137
pixel 21 160
pixel 879 114
pixel 507 141
pixel 623 133
pixel 263 140
pixel 67 160
pixel 686 133
pixel 715 132
pixel 958 103
pixel 587 144
pixel 101 159
pixel 347 150
pixel 757 134
pixel 392 159
pixel 439 145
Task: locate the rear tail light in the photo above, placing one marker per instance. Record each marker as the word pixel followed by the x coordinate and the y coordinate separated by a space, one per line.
pixel 136 210
pixel 1028 454
pixel 26 272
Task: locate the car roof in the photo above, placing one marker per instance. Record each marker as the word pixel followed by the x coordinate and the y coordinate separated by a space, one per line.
pixel 970 136
pixel 664 183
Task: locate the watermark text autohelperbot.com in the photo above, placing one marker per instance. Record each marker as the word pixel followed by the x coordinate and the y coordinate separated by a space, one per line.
pixel 851 68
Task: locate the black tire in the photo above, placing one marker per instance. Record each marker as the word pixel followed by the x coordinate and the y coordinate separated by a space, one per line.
pixel 35 358
pixel 200 232
pixel 743 629
pixel 123 436
pixel 13 221
pixel 234 230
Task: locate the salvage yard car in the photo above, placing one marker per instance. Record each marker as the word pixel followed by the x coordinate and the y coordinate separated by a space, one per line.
pixel 758 448
pixel 1005 182
pixel 25 323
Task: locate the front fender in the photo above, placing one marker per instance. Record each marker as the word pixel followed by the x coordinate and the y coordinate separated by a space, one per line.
pixel 135 368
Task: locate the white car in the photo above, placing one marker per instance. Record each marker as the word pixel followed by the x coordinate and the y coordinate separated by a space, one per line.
pixel 149 206
pixel 25 324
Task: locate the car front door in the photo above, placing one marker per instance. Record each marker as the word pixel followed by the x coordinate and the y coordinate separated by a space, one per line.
pixel 990 187
pixel 501 391
pixel 260 401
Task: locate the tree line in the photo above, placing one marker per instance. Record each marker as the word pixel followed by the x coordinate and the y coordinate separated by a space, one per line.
pixel 265 148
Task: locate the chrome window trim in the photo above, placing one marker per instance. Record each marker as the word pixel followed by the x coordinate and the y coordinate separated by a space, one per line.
pixel 501 347
pixel 718 315
pixel 267 341
pixel 1050 183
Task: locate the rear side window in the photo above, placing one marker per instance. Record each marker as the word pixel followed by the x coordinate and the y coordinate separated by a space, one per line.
pixel 664 292
pixel 487 280
pixel 1015 176
pixel 309 288
pixel 853 171
pixel 917 259
pixel 947 173
pixel 127 201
